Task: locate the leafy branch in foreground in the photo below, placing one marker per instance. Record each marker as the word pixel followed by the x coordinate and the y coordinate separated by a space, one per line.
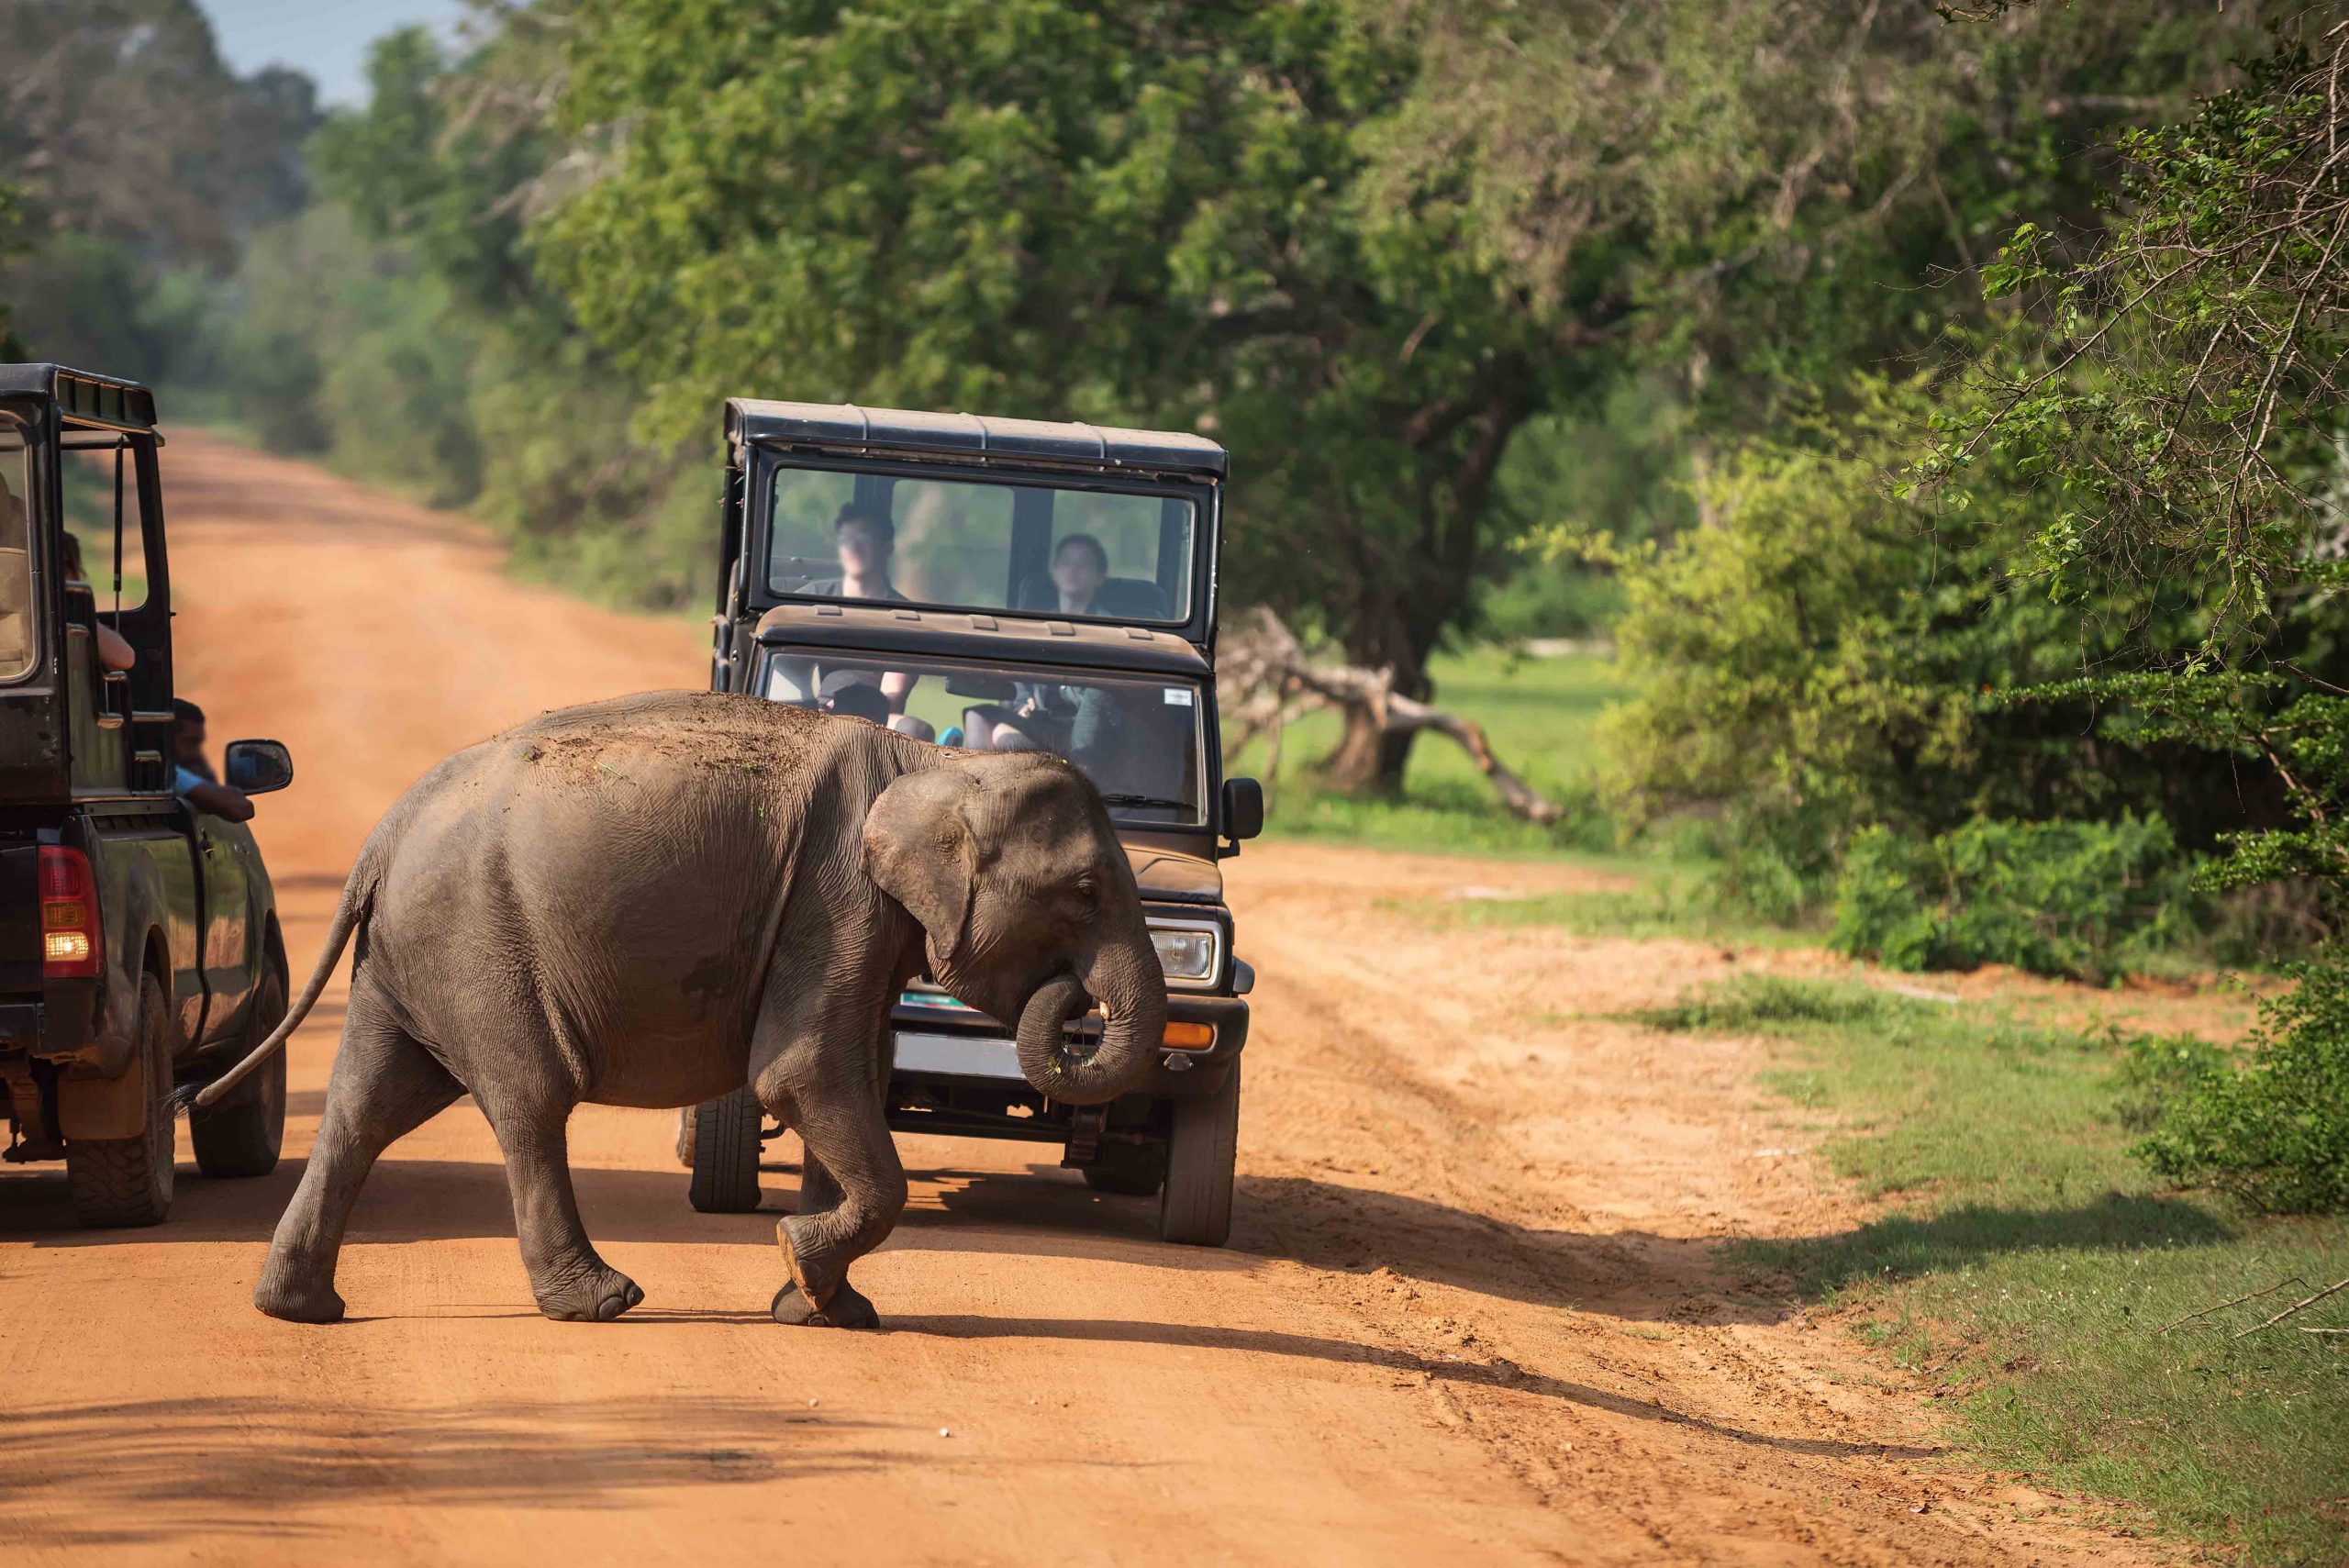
pixel 2302 735
pixel 2185 397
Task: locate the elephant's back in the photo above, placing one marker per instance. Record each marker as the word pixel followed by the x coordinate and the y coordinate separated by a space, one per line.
pixel 729 735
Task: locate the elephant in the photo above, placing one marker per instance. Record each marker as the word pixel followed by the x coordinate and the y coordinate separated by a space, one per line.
pixel 654 900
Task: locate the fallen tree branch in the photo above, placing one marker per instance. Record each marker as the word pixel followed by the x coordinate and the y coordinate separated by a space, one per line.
pixel 1267 681
pixel 2304 1301
pixel 2237 1301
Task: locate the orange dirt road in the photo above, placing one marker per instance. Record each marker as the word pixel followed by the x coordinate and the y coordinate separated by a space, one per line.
pixel 1471 1311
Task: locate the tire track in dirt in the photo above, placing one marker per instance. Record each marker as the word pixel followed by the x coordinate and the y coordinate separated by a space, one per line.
pixel 1472 1311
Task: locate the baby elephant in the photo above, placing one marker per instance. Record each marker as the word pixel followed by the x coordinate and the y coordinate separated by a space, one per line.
pixel 654 900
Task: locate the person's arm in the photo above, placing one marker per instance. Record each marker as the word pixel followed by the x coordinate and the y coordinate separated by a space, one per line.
pixel 897 686
pixel 115 651
pixel 217 799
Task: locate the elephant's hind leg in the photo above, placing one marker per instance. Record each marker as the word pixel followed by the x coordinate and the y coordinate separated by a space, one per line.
pixel 572 1283
pixel 384 1085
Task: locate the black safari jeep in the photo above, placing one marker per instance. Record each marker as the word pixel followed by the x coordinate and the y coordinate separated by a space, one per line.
pixel 138 937
pixel 1005 583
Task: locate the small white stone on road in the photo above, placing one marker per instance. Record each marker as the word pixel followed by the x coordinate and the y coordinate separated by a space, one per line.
pixel 945 1431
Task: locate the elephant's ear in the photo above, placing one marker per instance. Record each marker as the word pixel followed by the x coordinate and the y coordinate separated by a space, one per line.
pixel 919 850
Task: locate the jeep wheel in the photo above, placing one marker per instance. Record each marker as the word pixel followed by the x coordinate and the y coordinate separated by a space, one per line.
pixel 127 1181
pixel 242 1134
pixel 1194 1207
pixel 1128 1170
pixel 725 1153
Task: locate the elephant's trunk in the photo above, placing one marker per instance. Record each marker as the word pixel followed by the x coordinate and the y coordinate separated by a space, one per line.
pixel 1134 989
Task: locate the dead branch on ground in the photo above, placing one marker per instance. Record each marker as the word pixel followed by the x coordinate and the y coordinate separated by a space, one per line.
pixel 1267 680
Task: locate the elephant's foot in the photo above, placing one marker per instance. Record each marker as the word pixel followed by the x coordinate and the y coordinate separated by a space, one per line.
pixel 297 1301
pixel 596 1295
pixel 848 1308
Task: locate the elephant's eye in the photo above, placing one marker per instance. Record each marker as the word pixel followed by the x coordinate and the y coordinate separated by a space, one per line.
pixel 1086 887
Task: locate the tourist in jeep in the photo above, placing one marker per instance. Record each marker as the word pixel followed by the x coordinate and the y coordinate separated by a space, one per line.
pixel 866 538
pixel 193 779
pixel 115 651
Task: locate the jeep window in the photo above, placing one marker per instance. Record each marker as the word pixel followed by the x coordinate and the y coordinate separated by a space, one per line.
pixel 97 471
pixel 974 544
pixel 20 645
pixel 1137 738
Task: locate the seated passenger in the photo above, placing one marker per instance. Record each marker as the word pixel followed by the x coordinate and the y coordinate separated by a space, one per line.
pixel 866 538
pixel 115 651
pixel 192 778
pixel 1079 568
pixel 848 692
pixel 1080 585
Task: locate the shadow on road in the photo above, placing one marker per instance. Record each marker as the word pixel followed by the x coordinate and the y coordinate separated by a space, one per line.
pixel 1045 1212
pixel 173 1469
pixel 1496 1373
pixel 1681 1279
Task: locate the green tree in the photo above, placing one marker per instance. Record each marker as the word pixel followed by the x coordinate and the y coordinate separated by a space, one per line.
pixel 1139 213
pixel 1368 242
pixel 11 226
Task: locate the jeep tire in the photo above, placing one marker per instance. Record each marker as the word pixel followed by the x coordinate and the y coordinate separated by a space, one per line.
pixel 1195 1206
pixel 241 1135
pixel 725 1153
pixel 127 1181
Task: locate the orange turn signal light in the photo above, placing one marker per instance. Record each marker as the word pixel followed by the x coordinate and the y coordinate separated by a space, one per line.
pixel 1187 1037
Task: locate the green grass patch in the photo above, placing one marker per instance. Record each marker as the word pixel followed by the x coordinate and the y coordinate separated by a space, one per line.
pixel 1539 714
pixel 2029 1265
pixel 1669 902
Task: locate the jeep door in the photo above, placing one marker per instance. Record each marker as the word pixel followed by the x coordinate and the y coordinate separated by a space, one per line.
pixel 226 861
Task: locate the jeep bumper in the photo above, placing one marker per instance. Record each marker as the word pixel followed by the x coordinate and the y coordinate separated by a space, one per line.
pixel 926 1051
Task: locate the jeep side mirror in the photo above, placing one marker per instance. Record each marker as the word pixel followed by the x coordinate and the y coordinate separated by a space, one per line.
pixel 1243 807
pixel 258 767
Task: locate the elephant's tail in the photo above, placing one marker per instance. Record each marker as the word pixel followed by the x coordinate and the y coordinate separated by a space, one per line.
pixel 358 894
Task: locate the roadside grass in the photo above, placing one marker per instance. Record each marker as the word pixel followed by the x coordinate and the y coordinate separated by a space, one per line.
pixel 2027 1267
pixel 1540 713
pixel 1672 900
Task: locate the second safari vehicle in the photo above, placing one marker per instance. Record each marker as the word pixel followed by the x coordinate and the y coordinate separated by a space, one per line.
pixel 1011 583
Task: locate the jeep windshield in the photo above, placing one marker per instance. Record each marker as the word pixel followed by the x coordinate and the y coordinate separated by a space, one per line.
pixel 1136 737
pixel 972 544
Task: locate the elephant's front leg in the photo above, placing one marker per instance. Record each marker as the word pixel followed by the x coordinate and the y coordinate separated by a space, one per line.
pixel 851 1186
pixel 570 1282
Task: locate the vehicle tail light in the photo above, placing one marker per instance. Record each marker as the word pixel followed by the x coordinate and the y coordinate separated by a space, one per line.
pixel 72 947
pixel 1187 1037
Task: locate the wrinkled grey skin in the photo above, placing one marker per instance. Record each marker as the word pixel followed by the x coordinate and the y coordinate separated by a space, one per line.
pixel 651 901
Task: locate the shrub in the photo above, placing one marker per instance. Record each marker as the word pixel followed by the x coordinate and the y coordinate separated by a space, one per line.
pixel 2270 1123
pixel 2067 898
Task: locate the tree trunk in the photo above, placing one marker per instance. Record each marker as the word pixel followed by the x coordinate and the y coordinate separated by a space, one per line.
pixel 1366 760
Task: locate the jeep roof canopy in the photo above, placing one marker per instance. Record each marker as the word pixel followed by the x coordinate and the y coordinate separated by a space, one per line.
pixel 84 397
pixel 845 427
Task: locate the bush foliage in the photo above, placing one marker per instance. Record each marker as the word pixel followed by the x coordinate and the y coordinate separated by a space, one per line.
pixel 2268 1125
pixel 2063 898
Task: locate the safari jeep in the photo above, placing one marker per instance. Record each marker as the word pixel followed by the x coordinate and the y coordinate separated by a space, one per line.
pixel 138 938
pixel 1009 583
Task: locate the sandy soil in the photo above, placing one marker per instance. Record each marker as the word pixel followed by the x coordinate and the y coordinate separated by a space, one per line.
pixel 1471 1311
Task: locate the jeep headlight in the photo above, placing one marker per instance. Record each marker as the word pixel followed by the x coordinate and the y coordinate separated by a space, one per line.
pixel 1183 953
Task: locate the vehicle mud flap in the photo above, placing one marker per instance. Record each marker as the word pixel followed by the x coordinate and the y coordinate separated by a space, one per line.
pixel 127 1181
pixel 1195 1206
pixel 725 1151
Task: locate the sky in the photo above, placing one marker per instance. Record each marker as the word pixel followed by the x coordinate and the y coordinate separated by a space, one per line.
pixel 326 39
